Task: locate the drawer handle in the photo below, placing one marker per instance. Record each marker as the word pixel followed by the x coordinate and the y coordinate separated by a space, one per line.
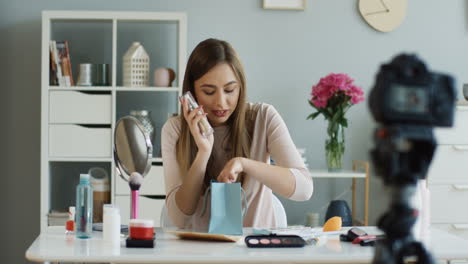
pixel 460 187
pixel 94 125
pixel 155 197
pixel 460 148
pixel 95 92
pixel 460 226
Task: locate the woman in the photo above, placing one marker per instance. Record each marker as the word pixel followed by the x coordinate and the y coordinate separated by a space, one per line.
pixel 245 135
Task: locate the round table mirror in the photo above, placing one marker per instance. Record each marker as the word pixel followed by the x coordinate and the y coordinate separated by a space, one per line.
pixel 132 148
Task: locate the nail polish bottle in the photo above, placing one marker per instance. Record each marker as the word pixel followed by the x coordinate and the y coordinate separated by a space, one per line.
pixel 70 225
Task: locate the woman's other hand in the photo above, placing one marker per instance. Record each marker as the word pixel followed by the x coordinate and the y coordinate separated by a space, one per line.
pixel 204 144
pixel 231 171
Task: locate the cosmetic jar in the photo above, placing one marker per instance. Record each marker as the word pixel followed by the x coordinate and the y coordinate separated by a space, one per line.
pixel 142 229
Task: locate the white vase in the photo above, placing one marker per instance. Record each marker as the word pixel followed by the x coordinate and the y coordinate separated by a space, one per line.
pixel 136 66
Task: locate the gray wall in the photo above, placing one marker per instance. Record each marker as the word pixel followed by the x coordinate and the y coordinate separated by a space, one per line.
pixel 284 53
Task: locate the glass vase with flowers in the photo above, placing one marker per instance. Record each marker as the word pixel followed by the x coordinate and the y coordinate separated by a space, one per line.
pixel 332 97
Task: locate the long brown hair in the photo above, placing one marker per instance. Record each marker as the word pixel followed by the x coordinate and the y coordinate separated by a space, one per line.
pixel 206 55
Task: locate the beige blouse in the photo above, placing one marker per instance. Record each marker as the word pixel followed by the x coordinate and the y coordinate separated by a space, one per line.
pixel 270 138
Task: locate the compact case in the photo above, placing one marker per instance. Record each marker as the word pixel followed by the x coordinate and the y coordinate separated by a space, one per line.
pixel 270 241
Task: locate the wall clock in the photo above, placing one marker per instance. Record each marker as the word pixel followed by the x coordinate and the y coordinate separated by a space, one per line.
pixel 383 15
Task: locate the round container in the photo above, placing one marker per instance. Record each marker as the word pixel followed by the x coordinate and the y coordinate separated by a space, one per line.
pixel 312 219
pixel 85 74
pixel 102 76
pixel 99 179
pixel 141 229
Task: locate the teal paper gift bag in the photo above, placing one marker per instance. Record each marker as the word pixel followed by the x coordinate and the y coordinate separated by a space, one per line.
pixel 226 208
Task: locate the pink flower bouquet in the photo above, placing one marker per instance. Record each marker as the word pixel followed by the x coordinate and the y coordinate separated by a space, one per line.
pixel 332 97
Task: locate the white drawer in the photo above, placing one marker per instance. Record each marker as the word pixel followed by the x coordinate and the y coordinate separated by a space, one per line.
pixel 148 208
pixel 448 203
pixel 153 183
pixel 73 107
pixel 449 165
pixel 460 230
pixel 79 141
pixel 458 134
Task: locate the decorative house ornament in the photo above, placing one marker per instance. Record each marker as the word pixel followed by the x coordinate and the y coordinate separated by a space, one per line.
pixel 136 66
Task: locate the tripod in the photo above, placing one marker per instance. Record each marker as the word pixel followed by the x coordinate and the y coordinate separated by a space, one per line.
pixel 402 157
pixel 399 245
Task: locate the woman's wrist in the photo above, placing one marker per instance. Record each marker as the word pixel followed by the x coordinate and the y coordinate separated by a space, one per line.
pixel 244 163
pixel 203 156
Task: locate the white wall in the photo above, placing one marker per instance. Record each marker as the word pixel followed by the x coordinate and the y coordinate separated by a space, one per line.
pixel 284 54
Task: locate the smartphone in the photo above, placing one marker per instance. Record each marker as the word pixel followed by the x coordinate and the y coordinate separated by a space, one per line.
pixel 204 125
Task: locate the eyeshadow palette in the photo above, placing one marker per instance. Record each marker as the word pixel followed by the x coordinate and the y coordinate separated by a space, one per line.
pixel 269 241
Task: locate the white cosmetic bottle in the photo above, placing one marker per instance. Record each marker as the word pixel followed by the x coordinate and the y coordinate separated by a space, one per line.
pixel 111 224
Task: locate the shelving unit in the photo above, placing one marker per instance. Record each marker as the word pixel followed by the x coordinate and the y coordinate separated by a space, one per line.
pixel 77 123
pixel 360 170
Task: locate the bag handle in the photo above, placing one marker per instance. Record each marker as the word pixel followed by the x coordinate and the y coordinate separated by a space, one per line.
pixel 205 200
pixel 244 200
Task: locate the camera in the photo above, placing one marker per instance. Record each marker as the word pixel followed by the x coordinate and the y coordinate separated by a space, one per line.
pixel 408 101
pixel 406 92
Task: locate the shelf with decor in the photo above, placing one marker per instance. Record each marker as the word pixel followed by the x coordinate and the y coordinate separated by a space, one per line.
pixel 118 88
pixel 77 121
pixel 81 88
pixel 360 170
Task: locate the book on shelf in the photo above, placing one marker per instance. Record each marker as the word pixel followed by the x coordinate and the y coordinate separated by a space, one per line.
pixel 60 55
pixel 52 68
pixel 55 65
pixel 56 218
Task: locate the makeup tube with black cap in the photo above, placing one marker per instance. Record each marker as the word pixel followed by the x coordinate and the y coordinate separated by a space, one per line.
pixel 205 127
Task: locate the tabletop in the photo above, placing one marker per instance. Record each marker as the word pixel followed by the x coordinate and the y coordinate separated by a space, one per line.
pixel 56 246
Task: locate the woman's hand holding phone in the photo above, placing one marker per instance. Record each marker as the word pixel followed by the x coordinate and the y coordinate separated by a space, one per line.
pixel 193 118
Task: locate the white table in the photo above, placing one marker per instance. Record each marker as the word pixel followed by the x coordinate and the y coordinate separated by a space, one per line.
pixel 55 246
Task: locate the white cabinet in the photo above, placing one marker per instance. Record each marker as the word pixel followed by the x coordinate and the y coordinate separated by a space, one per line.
pixel 448 176
pixel 77 122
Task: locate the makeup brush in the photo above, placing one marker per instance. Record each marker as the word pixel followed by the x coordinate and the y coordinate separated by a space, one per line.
pixel 135 182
